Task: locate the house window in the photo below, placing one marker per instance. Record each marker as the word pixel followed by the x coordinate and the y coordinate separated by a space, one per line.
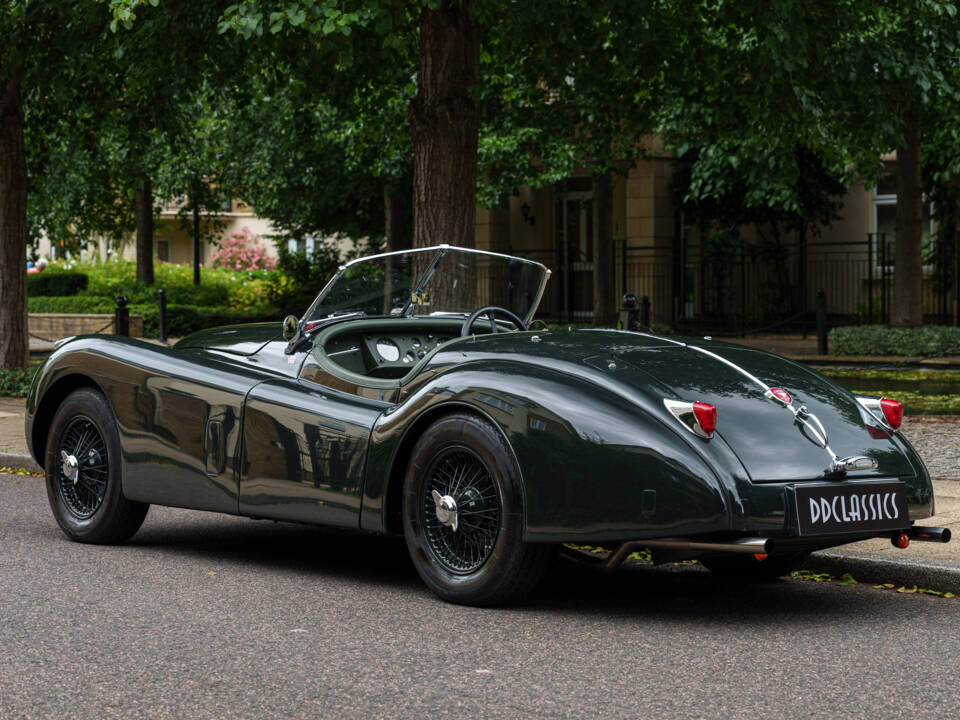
pixel 885 227
pixel 163 249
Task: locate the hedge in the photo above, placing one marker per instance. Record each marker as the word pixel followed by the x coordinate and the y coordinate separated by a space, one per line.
pixel 882 340
pixel 15 382
pixel 56 284
pixel 181 319
pixel 185 319
pixel 75 304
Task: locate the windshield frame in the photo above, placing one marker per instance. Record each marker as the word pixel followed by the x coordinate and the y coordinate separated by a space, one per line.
pixel 441 251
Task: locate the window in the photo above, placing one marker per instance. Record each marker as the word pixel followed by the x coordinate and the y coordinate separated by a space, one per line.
pixel 163 249
pixel 885 226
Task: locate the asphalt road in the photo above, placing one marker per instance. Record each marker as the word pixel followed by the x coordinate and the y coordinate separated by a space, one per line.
pixel 209 616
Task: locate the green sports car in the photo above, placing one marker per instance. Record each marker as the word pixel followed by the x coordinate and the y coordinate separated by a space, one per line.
pixel 413 399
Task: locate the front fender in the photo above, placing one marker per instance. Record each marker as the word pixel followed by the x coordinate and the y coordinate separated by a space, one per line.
pixel 595 466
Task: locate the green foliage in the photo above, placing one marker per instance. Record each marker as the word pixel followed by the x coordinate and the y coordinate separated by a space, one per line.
pixel 881 340
pixel 56 284
pixel 15 382
pixel 72 304
pixel 185 319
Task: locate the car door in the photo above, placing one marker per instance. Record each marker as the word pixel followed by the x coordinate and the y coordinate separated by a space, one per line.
pixel 304 450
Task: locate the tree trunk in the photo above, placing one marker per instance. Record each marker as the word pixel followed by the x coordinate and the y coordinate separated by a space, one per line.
pixel 14 346
pixel 145 232
pixel 445 122
pixel 907 310
pixel 604 303
pixel 395 220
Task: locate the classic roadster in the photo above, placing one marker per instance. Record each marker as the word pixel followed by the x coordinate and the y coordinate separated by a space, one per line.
pixel 411 398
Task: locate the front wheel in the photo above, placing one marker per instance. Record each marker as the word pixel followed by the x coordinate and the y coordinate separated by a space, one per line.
pixel 463 515
pixel 83 470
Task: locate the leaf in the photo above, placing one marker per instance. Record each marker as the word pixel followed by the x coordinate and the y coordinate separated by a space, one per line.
pixel 907 591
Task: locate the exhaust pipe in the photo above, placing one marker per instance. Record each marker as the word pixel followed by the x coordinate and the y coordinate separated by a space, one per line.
pixel 929 534
pixel 746 546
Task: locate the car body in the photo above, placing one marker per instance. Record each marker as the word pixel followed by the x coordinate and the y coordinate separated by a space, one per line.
pixel 396 406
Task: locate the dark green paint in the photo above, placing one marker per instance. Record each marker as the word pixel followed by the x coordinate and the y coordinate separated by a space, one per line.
pixel 228 421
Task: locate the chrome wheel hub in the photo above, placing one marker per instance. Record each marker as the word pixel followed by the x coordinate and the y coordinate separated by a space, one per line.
pixel 446 508
pixel 71 468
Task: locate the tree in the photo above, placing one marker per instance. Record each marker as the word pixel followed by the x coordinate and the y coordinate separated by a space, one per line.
pixel 49 48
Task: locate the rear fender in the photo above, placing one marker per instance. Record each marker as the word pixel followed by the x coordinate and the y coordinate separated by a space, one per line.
pixel 594 465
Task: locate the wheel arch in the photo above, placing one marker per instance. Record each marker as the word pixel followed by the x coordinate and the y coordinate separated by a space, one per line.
pixel 52 398
pixel 393 513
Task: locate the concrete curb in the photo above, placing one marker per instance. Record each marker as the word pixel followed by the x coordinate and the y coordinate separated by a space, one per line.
pixel 869 568
pixel 18 461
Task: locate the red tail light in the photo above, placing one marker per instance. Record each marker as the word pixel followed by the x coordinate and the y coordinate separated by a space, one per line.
pixel 892 412
pixel 706 415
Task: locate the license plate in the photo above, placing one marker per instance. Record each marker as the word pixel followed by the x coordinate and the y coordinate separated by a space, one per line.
pixel 851 507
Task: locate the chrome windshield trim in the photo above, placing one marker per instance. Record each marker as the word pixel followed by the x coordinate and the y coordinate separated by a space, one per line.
pixel 440 250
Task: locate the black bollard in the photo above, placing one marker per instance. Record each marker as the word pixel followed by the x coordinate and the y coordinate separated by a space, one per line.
pixel 645 311
pixel 122 317
pixel 628 312
pixel 162 314
pixel 821 323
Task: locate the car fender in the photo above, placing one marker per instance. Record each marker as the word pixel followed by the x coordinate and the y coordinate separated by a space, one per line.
pixel 594 465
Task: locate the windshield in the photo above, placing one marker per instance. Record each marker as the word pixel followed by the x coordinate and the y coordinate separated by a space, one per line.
pixel 432 281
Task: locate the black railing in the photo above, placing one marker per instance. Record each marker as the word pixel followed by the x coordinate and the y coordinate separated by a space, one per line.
pixel 744 288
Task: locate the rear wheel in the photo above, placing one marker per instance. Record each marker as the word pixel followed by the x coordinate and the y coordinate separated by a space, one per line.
pixel 463 515
pixel 747 568
pixel 83 472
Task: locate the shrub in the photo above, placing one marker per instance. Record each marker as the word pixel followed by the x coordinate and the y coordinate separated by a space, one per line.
pixel 56 284
pixel 15 382
pixel 185 319
pixel 242 251
pixel 881 340
pixel 75 304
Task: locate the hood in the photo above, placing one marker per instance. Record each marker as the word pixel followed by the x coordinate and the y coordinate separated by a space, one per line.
pixel 236 339
pixel 763 433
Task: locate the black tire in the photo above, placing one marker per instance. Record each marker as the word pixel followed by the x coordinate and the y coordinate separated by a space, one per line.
pixel 484 561
pixel 747 568
pixel 89 506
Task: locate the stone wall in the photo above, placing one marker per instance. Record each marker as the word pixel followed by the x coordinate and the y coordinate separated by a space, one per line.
pixel 53 326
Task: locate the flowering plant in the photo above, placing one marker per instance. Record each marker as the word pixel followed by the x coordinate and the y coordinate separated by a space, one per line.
pixel 242 251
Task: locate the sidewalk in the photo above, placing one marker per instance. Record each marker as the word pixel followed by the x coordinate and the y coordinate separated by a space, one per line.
pixel 935 566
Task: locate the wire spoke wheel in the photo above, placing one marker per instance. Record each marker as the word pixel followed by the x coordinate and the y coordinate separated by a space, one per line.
pixel 82 469
pixel 461 509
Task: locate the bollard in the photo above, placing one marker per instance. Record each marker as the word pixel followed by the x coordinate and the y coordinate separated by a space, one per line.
pixel 162 314
pixel 629 313
pixel 121 321
pixel 821 323
pixel 645 311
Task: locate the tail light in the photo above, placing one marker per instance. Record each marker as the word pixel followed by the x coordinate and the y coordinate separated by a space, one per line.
pixel 885 409
pixel 892 412
pixel 700 418
pixel 706 415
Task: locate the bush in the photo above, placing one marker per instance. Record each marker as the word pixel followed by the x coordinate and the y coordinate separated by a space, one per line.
pixel 75 304
pixel 15 382
pixel 185 319
pixel 181 319
pixel 881 340
pixel 56 284
pixel 242 251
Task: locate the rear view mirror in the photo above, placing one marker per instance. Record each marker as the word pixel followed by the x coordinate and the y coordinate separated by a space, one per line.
pixel 291 326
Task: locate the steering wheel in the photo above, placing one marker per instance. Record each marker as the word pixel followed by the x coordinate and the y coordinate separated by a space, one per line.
pixel 492 311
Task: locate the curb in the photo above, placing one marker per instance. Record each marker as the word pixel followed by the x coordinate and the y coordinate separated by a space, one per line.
pixel 18 461
pixel 868 568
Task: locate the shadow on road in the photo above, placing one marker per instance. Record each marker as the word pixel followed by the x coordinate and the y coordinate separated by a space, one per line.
pixel 688 593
